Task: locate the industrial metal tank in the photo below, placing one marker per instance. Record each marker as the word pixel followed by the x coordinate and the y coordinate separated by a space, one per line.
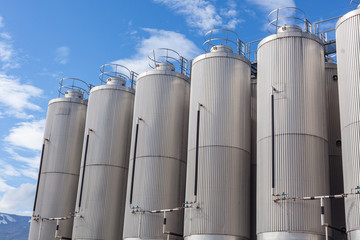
pixel 253 160
pixel 218 170
pixel 157 166
pixel 292 145
pixel 60 163
pixel 334 140
pixel 348 51
pixel 100 204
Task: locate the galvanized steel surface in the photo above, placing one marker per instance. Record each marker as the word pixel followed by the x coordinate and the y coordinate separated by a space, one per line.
pixel 253 160
pixel 348 51
pixel 221 82
pixel 162 101
pixel 109 116
pixel 335 160
pixel 64 132
pixel 291 66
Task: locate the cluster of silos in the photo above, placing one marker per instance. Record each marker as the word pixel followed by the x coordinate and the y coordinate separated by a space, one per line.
pixel 100 204
pixel 218 171
pixel 179 160
pixel 60 163
pixel 292 143
pixel 158 150
pixel 348 52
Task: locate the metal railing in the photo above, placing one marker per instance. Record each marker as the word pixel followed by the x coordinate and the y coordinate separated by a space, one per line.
pixel 325 30
pixel 75 84
pixel 288 16
pixel 251 50
pixel 113 70
pixel 166 55
pixel 223 37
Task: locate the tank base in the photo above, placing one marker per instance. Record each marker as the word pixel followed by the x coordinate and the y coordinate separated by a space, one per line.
pixel 352 235
pixel 214 237
pixel 290 236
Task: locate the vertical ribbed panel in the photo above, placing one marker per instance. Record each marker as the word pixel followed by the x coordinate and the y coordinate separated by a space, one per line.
pixel 253 160
pixel 162 101
pixel 109 117
pixel 221 82
pixel 335 160
pixel 64 131
pixel 348 52
pixel 293 65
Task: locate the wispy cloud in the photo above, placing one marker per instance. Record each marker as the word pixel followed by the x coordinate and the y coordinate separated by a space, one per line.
pixel 15 97
pixel 269 5
pixel 28 135
pixel 18 200
pixel 203 15
pixel 4 186
pixel 62 54
pixel 159 39
pixel 1 22
pixel 8 170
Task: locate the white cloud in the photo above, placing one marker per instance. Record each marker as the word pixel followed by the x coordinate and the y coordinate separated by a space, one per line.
pixel 28 135
pixel 4 186
pixel 62 54
pixel 32 162
pixel 5 35
pixel 203 15
pixel 6 52
pixel 18 200
pixel 8 170
pixel 159 39
pixel 15 97
pixel 269 5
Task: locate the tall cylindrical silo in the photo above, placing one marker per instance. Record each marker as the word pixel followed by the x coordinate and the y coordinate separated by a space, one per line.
pixel 218 170
pixel 292 146
pixel 60 165
pixel 334 139
pixel 348 51
pixel 100 204
pixel 157 164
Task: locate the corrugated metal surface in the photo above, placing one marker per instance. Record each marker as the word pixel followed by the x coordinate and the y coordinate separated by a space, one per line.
pixel 348 51
pixel 221 82
pixel 335 159
pixel 109 115
pixel 64 129
pixel 293 64
pixel 253 160
pixel 162 101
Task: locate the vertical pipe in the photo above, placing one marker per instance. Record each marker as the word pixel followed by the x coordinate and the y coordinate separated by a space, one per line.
pixel 133 167
pixel 57 229
pixel 83 173
pixel 164 223
pixel 197 151
pixel 39 175
pixel 322 211
pixel 272 145
pixel 326 233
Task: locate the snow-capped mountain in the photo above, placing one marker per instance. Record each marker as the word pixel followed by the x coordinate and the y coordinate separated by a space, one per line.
pixel 14 227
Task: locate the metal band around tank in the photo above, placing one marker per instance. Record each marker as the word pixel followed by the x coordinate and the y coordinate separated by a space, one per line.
pixel 214 237
pixel 289 236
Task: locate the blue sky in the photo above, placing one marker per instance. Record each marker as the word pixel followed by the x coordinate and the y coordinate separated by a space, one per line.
pixel 43 41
